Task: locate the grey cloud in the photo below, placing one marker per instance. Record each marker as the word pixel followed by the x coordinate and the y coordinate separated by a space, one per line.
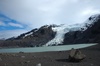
pixel 11 33
pixel 36 13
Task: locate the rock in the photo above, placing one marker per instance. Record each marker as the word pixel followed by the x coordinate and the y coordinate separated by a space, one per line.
pixel 76 55
pixel 34 56
pixel 27 62
pixel 1 53
pixel 39 64
pixel 91 64
pixel 22 56
pixel 5 64
pixel 14 55
pixel 72 52
pixel 21 52
pixel 0 59
pixel 22 63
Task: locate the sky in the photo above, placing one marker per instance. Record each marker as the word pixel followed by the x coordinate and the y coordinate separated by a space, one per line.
pixel 20 16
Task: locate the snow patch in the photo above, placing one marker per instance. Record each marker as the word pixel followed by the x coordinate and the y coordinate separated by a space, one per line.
pixel 28 34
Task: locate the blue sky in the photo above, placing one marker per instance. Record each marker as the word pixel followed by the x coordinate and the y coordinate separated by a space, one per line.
pixel 19 16
pixel 7 23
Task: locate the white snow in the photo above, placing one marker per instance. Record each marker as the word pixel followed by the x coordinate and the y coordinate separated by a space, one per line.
pixel 28 34
pixel 31 33
pixel 59 35
pixel 36 30
pixel 63 29
pixel 60 32
pixel 94 18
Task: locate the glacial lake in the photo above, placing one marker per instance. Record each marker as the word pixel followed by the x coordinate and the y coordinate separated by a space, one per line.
pixel 45 49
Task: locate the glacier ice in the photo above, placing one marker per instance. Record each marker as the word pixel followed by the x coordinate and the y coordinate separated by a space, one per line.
pixel 63 29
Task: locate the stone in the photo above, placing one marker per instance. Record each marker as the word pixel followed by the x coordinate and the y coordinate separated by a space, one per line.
pixel 91 64
pixel 5 64
pixel 0 59
pixel 76 55
pixel 22 56
pixel 27 62
pixel 72 52
pixel 14 55
pixel 39 64
pixel 21 52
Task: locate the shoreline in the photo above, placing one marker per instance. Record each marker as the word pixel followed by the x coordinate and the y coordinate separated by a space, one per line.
pixel 53 58
pixel 45 48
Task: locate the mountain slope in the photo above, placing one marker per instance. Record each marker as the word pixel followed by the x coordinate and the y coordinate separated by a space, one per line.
pixel 72 33
pixel 48 35
pixel 35 37
pixel 90 35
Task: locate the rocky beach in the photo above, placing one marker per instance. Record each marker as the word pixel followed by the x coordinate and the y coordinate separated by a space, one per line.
pixel 59 58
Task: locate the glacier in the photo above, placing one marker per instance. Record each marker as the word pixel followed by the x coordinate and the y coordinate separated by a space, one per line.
pixel 62 29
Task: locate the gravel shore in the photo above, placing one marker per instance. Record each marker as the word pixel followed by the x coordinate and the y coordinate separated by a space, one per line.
pixel 59 58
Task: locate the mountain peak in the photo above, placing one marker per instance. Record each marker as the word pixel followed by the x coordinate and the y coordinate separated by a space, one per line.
pixel 53 34
pixel 93 18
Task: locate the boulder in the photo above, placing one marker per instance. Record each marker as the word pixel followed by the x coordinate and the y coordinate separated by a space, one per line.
pixel 76 55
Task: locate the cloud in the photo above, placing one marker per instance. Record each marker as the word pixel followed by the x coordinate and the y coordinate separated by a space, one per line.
pixel 11 33
pixel 2 24
pixel 35 13
pixel 75 1
pixel 15 25
pixel 90 11
pixel 85 13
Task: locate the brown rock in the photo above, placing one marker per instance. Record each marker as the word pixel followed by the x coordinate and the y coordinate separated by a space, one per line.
pixel 76 55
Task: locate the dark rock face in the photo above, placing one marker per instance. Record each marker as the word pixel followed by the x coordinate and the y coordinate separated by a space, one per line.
pixel 76 55
pixel 35 37
pixel 90 35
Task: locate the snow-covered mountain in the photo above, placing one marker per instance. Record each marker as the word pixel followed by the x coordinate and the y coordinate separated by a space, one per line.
pixel 49 35
pixel 63 29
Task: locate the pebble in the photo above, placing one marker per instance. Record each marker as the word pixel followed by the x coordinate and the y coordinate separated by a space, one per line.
pixel 1 53
pixel 13 55
pixel 21 52
pixel 91 64
pixel 34 56
pixel 27 62
pixel 0 59
pixel 5 64
pixel 22 63
pixel 22 56
pixel 39 64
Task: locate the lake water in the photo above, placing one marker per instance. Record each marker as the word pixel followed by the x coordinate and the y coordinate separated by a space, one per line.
pixel 45 49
